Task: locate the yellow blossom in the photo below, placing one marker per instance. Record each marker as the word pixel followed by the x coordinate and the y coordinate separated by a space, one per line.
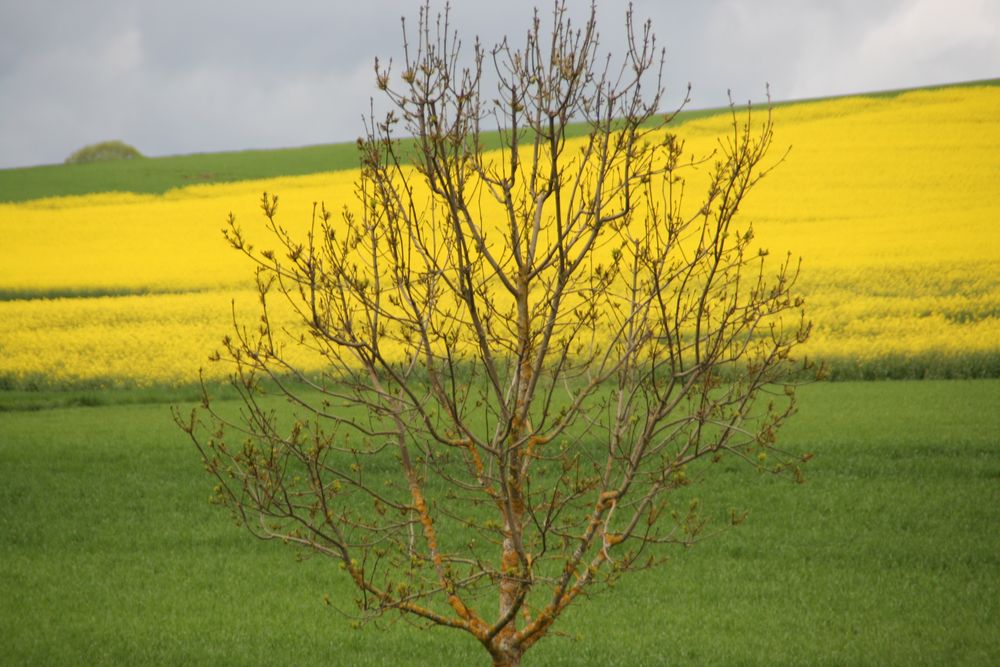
pixel 892 202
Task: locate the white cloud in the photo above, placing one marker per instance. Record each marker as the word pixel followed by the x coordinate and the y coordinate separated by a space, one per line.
pixel 915 42
pixel 924 33
pixel 122 54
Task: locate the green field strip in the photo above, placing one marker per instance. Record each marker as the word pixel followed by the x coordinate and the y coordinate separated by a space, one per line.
pixel 92 292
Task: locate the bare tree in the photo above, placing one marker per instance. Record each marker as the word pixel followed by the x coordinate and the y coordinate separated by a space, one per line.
pixel 529 349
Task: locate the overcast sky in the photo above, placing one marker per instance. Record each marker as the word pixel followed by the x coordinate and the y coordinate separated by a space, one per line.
pixel 183 76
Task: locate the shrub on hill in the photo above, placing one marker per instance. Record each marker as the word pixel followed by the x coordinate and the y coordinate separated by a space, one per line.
pixel 104 150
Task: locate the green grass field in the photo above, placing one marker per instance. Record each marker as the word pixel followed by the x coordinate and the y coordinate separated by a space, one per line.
pixel 158 174
pixel 889 555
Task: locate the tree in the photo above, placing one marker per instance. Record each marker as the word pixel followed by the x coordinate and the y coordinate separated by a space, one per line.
pixel 529 351
pixel 104 151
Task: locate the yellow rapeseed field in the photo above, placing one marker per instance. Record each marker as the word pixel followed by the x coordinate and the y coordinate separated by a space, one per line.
pixel 892 202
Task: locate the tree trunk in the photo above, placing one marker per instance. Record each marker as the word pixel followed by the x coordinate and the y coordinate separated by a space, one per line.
pixel 506 659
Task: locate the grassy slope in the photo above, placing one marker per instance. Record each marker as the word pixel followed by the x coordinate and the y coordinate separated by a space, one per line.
pixel 110 553
pixel 157 175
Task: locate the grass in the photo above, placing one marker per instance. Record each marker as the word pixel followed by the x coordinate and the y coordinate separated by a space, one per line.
pixel 157 175
pixel 30 400
pixel 111 554
pixel 84 293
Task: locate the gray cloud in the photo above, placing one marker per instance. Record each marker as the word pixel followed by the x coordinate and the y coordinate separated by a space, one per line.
pixel 187 76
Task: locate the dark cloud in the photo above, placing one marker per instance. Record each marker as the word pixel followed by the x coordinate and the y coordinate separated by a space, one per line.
pixel 186 76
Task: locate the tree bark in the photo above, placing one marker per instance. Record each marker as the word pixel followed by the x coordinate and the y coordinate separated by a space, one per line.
pixel 506 659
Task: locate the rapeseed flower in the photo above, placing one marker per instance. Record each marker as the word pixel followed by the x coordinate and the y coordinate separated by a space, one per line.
pixel 892 203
